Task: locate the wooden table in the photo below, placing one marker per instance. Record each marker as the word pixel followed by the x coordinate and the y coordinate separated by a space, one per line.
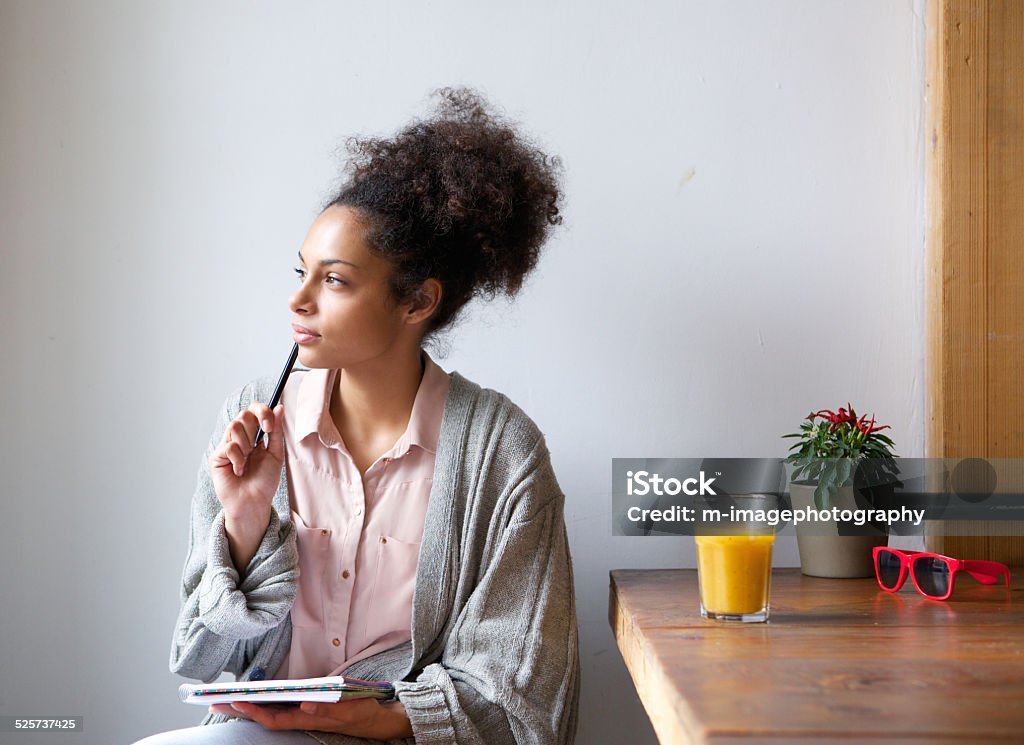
pixel 839 661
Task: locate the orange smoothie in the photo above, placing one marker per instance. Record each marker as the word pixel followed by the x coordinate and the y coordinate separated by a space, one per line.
pixel 735 572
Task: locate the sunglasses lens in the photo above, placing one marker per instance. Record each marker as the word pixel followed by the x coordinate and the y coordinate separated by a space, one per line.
pixel 888 568
pixel 932 576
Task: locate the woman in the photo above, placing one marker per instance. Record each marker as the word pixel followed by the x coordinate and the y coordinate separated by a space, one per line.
pixel 402 523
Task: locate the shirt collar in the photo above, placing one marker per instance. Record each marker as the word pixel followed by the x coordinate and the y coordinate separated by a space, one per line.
pixel 313 415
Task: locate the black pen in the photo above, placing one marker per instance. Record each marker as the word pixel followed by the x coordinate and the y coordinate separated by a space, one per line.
pixel 276 398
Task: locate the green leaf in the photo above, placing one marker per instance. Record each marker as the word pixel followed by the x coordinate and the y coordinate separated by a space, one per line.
pixel 843 471
pixel 821 496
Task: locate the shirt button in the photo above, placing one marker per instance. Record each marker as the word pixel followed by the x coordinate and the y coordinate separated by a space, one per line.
pixel 345 574
pixel 336 642
pixel 383 539
pixel 323 532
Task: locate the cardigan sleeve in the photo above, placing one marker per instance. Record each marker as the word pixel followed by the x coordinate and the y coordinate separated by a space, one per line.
pixel 509 673
pixel 225 614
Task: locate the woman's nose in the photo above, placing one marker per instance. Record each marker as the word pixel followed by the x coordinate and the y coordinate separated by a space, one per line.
pixel 300 301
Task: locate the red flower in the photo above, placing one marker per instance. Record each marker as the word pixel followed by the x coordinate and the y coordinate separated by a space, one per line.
pixel 847 416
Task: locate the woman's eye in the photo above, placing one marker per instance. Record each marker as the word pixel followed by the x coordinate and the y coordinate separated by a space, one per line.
pixel 329 279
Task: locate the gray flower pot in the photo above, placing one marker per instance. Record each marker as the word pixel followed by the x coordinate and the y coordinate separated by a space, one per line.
pixel 832 555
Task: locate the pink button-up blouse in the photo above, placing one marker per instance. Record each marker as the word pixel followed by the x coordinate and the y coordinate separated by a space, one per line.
pixel 358 537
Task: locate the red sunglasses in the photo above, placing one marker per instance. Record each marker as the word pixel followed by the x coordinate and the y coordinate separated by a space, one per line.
pixel 934 574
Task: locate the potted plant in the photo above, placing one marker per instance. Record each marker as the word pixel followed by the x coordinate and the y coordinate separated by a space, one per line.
pixel 840 461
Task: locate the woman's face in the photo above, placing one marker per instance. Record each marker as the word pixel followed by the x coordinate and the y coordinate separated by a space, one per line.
pixel 343 315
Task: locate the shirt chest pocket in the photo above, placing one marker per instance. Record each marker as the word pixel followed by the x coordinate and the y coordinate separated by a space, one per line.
pixel 309 600
pixel 394 580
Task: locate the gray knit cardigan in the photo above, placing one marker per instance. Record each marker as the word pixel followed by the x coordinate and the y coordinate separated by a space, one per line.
pixel 494 654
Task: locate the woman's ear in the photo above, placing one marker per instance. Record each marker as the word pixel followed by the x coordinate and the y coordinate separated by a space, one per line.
pixel 425 302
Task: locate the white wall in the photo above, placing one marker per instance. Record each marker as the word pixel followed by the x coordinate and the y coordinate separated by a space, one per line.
pixel 743 242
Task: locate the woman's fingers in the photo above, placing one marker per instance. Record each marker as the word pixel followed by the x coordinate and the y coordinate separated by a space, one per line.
pixel 240 435
pixel 264 415
pixel 229 455
pixel 228 710
pixel 238 456
pixel 275 440
pixel 243 429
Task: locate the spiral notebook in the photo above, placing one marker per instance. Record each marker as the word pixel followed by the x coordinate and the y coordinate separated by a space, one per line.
pixel 330 689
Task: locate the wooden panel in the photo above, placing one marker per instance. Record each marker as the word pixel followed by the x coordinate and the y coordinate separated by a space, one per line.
pixel 840 661
pixel 975 84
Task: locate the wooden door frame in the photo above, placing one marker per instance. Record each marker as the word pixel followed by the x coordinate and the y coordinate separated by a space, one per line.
pixel 975 242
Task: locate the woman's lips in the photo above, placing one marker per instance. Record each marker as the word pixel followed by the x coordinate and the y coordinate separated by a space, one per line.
pixel 303 335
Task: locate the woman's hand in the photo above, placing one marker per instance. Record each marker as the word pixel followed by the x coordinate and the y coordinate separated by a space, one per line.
pixel 246 477
pixel 361 717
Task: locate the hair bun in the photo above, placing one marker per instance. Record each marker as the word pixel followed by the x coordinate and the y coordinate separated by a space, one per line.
pixel 460 196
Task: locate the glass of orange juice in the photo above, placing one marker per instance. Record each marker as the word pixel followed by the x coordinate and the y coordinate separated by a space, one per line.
pixel 734 556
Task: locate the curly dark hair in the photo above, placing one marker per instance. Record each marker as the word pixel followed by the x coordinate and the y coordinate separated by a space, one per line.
pixel 461 197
